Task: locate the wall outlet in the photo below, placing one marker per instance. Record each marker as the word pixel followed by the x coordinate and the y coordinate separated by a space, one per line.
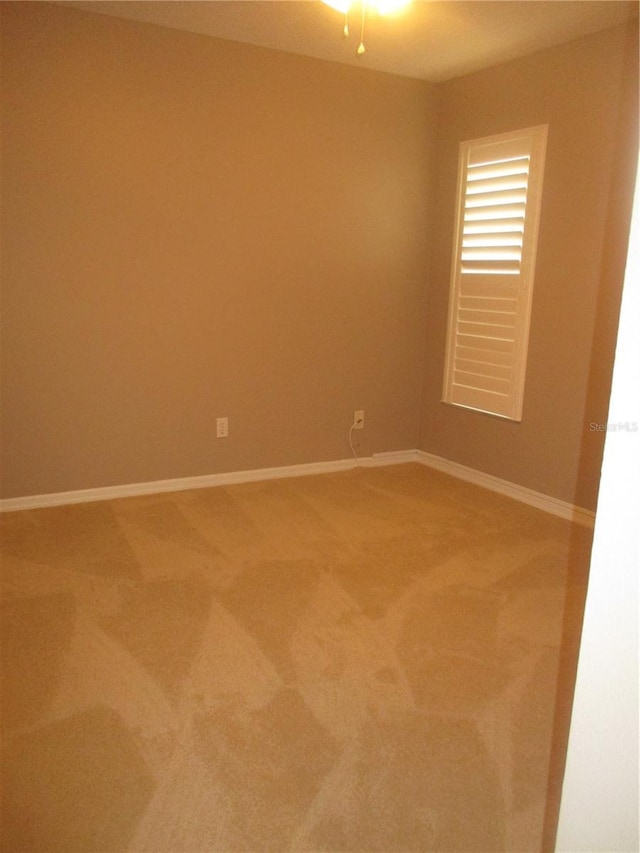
pixel 358 419
pixel 222 427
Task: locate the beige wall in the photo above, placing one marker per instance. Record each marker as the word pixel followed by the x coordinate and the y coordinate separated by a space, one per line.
pixel 587 92
pixel 195 228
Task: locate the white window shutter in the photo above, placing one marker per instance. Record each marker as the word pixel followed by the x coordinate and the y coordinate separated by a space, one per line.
pixel 499 194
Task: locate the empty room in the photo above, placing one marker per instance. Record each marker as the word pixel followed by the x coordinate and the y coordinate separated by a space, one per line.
pixel 312 404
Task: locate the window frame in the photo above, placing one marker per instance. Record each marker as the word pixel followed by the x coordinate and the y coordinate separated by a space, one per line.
pixel 515 145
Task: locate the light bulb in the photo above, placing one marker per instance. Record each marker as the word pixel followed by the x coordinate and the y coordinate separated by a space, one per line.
pixel 389 7
pixel 338 5
pixel 383 7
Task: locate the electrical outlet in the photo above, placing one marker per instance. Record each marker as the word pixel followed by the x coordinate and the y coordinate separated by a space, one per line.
pixel 358 419
pixel 222 427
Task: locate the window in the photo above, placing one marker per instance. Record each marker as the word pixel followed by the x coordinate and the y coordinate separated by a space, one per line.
pixel 499 192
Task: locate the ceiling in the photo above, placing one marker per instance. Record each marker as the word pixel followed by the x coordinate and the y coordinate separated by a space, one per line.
pixel 431 40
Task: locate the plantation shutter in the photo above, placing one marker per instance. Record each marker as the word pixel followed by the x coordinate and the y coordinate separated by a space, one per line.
pixel 499 192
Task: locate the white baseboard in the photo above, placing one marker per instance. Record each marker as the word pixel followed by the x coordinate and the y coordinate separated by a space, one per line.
pixel 391 457
pixel 107 493
pixel 398 457
pixel 577 514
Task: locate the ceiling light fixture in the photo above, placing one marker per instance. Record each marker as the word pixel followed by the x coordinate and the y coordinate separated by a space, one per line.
pixel 382 7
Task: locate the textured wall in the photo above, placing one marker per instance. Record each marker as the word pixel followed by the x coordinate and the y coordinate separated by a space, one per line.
pixel 587 92
pixel 195 228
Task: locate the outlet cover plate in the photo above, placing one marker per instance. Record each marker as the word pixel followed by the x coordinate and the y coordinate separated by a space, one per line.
pixel 222 427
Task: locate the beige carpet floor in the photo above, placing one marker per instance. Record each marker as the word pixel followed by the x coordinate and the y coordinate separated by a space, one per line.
pixel 359 661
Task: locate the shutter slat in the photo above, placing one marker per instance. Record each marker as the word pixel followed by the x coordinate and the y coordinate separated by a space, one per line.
pixel 494 226
pixel 485 330
pixel 504 198
pixel 482 368
pixel 497 241
pixel 491 253
pixel 489 344
pixel 485 383
pixel 497 170
pixel 497 318
pixel 502 211
pixel 489 286
pixel 502 184
pixel 484 356
pixel 494 267
pixel 487 303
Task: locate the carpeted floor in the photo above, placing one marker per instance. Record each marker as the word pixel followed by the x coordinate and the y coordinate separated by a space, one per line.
pixel 360 661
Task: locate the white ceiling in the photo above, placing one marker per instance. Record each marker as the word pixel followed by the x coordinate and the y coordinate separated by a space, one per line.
pixel 432 40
